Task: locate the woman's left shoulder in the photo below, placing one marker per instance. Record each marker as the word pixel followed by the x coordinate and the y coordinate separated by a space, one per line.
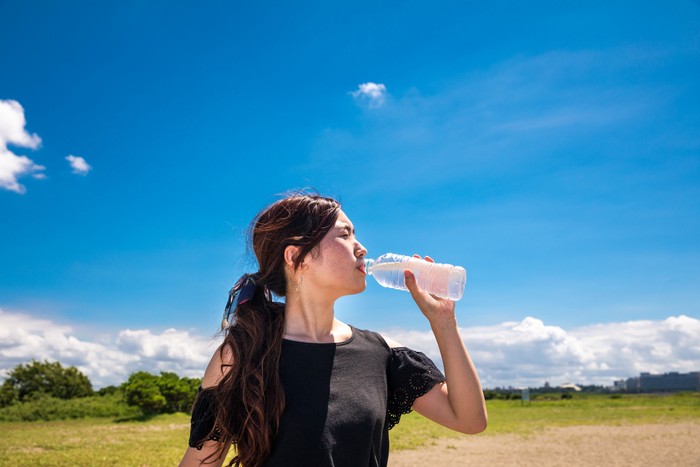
pixel 386 341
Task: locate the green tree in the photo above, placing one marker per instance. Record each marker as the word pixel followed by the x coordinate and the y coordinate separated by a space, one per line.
pixel 8 395
pixel 179 392
pixel 166 393
pixel 141 390
pixel 192 385
pixel 44 378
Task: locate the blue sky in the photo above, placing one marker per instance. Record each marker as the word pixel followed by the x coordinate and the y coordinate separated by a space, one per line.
pixel 553 151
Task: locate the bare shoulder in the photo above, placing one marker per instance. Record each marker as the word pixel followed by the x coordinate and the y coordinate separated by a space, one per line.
pixel 219 365
pixel 390 342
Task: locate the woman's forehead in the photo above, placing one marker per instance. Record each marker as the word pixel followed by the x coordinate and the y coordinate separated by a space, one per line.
pixel 343 220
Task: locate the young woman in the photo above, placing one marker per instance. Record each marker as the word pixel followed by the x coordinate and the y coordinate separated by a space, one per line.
pixel 293 386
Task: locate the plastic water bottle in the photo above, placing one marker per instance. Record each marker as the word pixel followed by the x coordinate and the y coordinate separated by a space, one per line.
pixel 442 280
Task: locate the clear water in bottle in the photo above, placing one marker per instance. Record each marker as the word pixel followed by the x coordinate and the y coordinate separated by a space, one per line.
pixel 442 280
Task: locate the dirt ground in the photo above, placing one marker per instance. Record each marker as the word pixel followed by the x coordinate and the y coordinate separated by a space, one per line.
pixel 630 445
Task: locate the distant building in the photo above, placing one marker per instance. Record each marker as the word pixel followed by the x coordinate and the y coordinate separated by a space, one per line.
pixel 667 382
pixel 620 385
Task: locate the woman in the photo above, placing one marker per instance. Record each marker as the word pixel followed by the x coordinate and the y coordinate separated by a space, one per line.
pixel 291 385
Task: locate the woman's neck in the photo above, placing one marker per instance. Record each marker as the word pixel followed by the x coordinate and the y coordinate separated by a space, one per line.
pixel 308 320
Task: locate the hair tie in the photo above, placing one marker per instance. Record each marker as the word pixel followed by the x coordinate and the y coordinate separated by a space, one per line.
pixel 242 291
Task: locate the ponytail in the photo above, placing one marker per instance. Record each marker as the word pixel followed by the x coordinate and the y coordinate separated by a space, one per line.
pixel 250 398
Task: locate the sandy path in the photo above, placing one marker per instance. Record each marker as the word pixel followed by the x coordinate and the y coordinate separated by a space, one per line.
pixel 664 445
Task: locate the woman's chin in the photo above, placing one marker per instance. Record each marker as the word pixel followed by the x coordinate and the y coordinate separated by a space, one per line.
pixel 358 289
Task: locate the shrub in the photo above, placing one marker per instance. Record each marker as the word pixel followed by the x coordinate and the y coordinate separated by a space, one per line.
pixel 108 390
pixel 51 408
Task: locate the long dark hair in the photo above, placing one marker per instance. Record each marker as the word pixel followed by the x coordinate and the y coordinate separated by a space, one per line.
pixel 250 398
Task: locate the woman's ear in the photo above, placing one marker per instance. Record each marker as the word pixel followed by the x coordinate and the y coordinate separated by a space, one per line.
pixel 290 254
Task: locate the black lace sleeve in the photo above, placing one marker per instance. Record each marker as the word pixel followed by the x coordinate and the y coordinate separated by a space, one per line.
pixel 202 423
pixel 411 374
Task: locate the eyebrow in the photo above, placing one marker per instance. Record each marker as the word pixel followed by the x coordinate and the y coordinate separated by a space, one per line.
pixel 347 227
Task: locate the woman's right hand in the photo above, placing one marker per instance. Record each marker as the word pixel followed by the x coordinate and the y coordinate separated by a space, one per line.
pixel 439 311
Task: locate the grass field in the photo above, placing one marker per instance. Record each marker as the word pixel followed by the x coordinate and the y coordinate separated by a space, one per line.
pixel 507 416
pixel 162 440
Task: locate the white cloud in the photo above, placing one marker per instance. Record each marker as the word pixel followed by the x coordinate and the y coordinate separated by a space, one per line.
pixel 78 164
pixel 105 359
pixel 372 93
pixel 524 353
pixel 529 352
pixel 12 131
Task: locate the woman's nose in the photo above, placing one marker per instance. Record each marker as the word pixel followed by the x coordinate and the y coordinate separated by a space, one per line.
pixel 360 251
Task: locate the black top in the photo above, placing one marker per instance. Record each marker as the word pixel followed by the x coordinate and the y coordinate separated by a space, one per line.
pixel 341 399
